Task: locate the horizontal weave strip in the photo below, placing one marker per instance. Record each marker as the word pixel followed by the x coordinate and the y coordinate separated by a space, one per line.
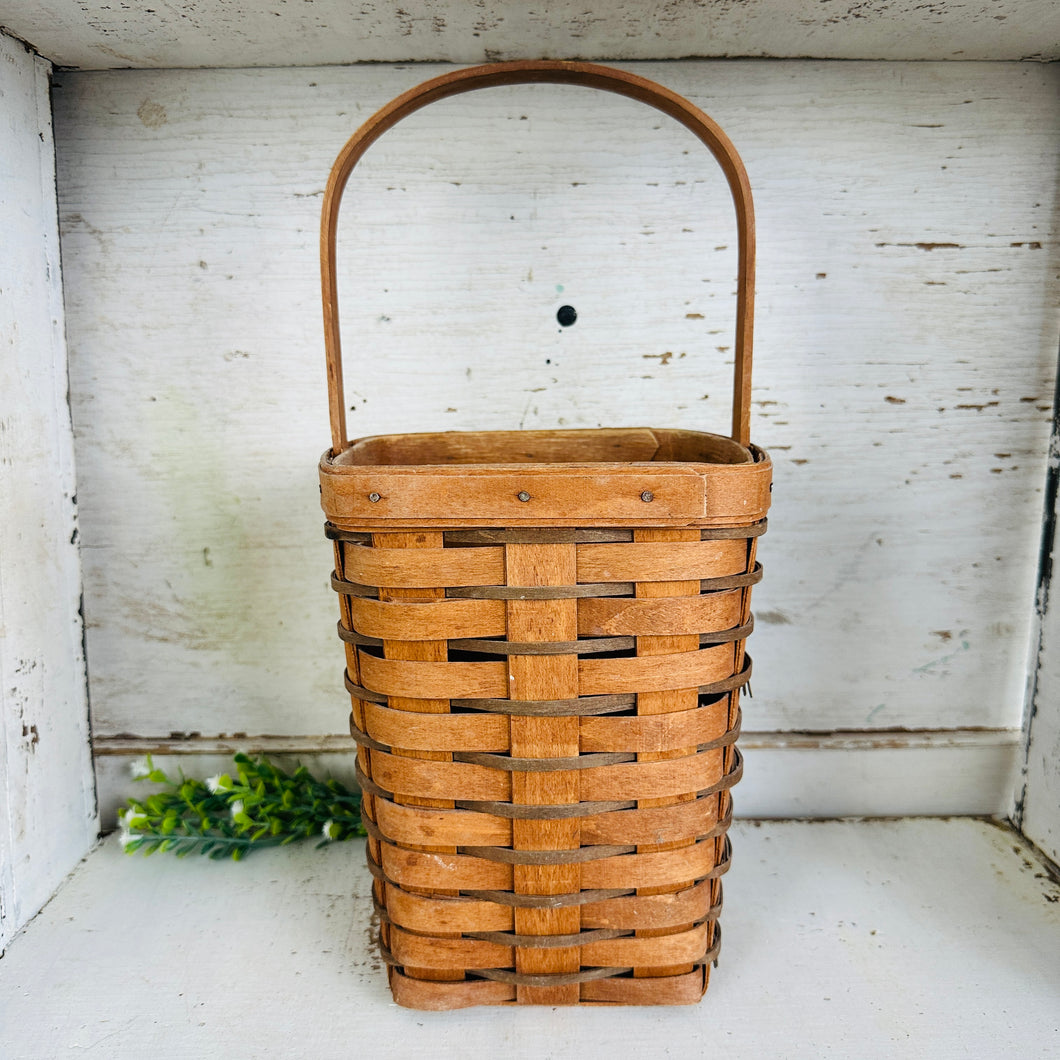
pixel 586 760
pixel 582 646
pixel 556 811
pixel 586 975
pixel 553 942
pixel 465 952
pixel 434 995
pixel 571 856
pixel 410 730
pixel 581 705
pixel 597 675
pixel 614 562
pixel 546 535
pixel 424 826
pixel 548 592
pixel 586 896
pixel 464 915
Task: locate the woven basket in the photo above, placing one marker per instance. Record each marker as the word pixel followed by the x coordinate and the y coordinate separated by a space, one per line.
pixel 544 636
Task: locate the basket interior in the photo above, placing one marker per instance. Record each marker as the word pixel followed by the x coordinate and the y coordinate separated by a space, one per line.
pixel 622 445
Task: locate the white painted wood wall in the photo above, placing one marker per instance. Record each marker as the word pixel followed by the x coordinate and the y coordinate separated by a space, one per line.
pixel 1037 811
pixel 905 364
pixel 47 798
pixel 95 35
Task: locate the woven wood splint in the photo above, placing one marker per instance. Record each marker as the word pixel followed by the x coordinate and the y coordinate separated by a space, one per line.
pixel 544 636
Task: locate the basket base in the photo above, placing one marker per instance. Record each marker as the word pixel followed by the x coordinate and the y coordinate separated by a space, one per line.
pixel 433 996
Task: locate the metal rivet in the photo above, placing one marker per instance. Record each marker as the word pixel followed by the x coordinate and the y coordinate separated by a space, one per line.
pixel 373 497
pixel 647 495
pixel 523 495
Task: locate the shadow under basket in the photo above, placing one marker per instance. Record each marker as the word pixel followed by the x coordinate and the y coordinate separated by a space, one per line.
pixel 544 637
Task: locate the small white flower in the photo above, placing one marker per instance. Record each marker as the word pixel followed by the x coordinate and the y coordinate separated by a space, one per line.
pixel 131 818
pixel 237 807
pixel 214 783
pixel 330 830
pixel 141 768
pixel 127 838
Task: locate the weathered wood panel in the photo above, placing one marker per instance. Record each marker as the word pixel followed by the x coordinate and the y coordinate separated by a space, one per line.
pixel 904 374
pixel 247 33
pixel 1037 803
pixel 47 795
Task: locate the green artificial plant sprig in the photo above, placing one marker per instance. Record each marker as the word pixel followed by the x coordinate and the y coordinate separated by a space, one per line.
pixel 257 805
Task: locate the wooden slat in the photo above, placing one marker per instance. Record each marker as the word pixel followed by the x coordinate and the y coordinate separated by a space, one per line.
pixel 682 700
pixel 364 756
pixel 651 824
pixel 663 868
pixel 401 546
pixel 406 776
pixel 661 955
pixel 442 620
pixel 625 444
pixel 681 730
pixel 441 872
pixel 654 673
pixel 649 780
pixel 561 495
pixel 441 997
pixel 424 826
pixel 438 732
pixel 668 990
pixel 608 616
pixel 666 910
pixel 679 557
pixel 417 826
pixel 433 915
pixel 432 680
pixel 443 954
pixel 423 869
pixel 545 677
pixel 424 566
pixel 429 915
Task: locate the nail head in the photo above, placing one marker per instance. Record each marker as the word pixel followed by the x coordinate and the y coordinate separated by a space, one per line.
pixel 523 495
pixel 373 497
pixel 647 496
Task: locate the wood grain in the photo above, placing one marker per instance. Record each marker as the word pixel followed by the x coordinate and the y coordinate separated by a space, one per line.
pixel 403 568
pixel 420 680
pixel 423 620
pixel 661 616
pixel 398 548
pixel 323 36
pixel 170 448
pixel 684 700
pixel 48 816
pixel 442 732
pixel 656 673
pixel 545 677
pixel 605 79
pixel 664 558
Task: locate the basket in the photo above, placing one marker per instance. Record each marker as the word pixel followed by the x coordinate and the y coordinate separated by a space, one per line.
pixel 544 636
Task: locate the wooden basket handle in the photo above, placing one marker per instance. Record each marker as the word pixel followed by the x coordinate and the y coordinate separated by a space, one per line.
pixel 549 72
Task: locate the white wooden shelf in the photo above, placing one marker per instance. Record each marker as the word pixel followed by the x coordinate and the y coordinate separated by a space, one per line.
pixel 899 938
pixel 93 34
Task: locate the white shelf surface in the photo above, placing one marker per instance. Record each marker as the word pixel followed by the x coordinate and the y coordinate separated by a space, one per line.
pixel 889 938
